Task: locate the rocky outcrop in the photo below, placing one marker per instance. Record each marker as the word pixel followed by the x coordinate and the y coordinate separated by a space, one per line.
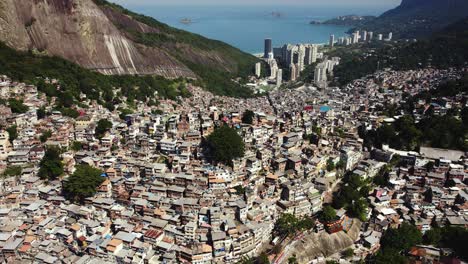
pixel 97 38
pixel 324 244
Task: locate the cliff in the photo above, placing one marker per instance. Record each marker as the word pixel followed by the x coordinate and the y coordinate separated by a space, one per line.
pixel 109 39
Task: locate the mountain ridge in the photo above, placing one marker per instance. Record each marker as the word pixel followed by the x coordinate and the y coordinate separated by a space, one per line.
pixel 419 18
pixel 110 39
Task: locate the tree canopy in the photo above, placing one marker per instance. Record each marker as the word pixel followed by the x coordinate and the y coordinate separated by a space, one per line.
pixel 51 166
pixel 353 196
pixel 288 224
pixel 17 106
pixel 396 240
pixel 328 213
pixel 248 117
pixel 225 144
pixel 102 127
pixel 82 183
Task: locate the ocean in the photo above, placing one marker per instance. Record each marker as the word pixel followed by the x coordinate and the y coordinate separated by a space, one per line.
pixel 246 27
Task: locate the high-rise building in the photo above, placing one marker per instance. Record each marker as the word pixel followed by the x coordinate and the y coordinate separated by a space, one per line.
pixel 268 49
pixel 370 35
pixel 390 36
pixel 332 41
pixel 273 68
pixel 258 69
pixel 314 53
pixel 320 73
pixel 380 37
pixel 301 52
pixel 292 72
pixel 355 37
pixel 279 78
pixel 364 36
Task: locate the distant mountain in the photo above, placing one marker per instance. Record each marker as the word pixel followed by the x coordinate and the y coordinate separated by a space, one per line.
pixel 348 20
pixel 418 18
pixel 109 39
pixel 444 49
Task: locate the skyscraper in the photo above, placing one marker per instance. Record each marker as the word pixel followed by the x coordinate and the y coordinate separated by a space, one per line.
pixel 268 49
pixel 258 69
pixel 332 41
pixel 364 36
pixel 380 37
pixel 390 36
pixel 314 53
pixel 279 78
pixel 370 35
pixel 292 72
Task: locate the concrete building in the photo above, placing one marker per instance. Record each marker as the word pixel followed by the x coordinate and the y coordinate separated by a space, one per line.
pixel 279 78
pixel 258 69
pixel 380 37
pixel 268 50
pixel 332 41
pixel 293 72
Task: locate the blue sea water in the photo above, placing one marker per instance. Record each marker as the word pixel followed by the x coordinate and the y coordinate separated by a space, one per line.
pixel 246 27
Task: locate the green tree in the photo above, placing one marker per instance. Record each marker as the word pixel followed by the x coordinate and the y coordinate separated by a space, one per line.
pixel 102 127
pixel 225 145
pixel 82 183
pixel 328 213
pixel 401 239
pixel 17 106
pixel 41 113
pixel 293 260
pixel 51 166
pixel 248 117
pixel 330 164
pixel 12 171
pixel 347 253
pixel 433 236
pixel 76 146
pixel 390 255
pixel 12 133
pixel 45 136
pixel 286 225
pixel 262 259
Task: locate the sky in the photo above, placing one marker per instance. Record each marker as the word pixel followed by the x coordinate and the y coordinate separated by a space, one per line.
pixel 389 3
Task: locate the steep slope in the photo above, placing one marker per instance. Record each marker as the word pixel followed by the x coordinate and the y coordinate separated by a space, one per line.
pixel 419 18
pixel 112 40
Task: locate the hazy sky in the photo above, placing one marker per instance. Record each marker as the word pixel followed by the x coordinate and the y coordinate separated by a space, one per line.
pixel 260 2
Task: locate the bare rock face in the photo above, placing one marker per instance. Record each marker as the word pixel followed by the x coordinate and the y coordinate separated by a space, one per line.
pixel 324 244
pixel 82 32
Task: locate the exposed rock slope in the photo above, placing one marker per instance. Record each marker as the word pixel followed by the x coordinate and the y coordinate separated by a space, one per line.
pixel 106 38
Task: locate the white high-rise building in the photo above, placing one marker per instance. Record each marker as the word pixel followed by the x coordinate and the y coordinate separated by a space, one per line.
pixel 355 37
pixel 279 78
pixel 301 53
pixel 332 41
pixel 348 41
pixel 364 36
pixel 293 72
pixel 314 53
pixel 390 36
pixel 258 69
pixel 380 37
pixel 273 68
pixel 370 35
